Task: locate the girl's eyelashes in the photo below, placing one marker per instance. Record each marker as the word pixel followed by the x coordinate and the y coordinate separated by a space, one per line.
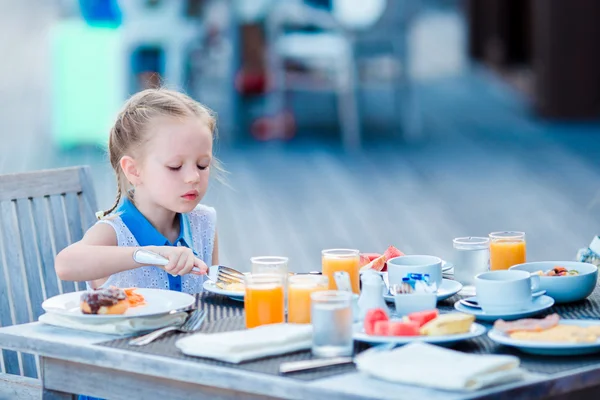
pixel 200 167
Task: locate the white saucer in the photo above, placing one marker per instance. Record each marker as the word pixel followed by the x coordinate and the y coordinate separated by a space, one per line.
pixel 447 289
pixel 210 286
pixel 539 304
pixel 549 348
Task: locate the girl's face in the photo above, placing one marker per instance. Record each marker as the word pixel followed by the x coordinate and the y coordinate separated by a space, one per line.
pixel 176 161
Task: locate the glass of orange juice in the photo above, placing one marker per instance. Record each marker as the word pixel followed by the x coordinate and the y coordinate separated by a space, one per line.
pixel 299 289
pixel 507 249
pixel 333 260
pixel 264 300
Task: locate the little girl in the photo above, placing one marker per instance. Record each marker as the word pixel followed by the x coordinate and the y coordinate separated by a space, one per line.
pixel 161 150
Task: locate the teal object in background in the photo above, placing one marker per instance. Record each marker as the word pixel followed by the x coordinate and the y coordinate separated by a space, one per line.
pixel 88 82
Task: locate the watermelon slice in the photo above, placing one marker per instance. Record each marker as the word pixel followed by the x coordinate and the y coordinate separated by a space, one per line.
pixel 381 328
pixel 377 264
pixel 371 256
pixel 423 317
pixel 364 260
pixel 390 253
pixel 403 329
pixel 374 315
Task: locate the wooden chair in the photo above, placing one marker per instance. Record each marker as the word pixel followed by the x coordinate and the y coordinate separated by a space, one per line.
pixel 41 213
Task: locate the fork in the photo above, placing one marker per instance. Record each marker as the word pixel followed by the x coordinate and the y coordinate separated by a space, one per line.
pixel 192 324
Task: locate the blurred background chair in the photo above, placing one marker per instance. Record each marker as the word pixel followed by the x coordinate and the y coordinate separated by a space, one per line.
pixel 326 49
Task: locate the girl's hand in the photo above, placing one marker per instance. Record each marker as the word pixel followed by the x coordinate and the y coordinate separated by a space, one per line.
pixel 181 260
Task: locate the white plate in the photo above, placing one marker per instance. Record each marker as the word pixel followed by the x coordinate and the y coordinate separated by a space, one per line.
pixel 446 266
pixel 547 348
pixel 210 286
pixel 445 340
pixel 158 302
pixel 447 289
pixel 539 304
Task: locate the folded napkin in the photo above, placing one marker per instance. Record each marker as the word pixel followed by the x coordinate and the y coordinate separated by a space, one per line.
pixel 114 327
pixel 248 344
pixel 424 364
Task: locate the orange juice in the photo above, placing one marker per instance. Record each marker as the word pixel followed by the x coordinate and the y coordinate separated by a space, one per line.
pixel 264 301
pixel 507 249
pixel 341 260
pixel 299 289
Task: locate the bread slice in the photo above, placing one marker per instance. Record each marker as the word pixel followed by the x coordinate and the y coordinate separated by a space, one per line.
pixel 448 324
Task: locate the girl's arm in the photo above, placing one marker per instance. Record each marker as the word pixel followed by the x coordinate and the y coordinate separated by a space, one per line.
pixel 95 256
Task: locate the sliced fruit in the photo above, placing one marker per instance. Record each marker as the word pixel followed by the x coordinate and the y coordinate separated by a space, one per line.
pixel 363 260
pixel 392 252
pixel 372 316
pixel 448 324
pixel 423 317
pixel 377 264
pixel 371 256
pixel 381 328
pixel 404 329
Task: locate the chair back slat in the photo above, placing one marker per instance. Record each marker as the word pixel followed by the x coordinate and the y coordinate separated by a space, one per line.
pixel 16 278
pixel 74 224
pixel 41 216
pixel 31 258
pixel 60 233
pixel 41 213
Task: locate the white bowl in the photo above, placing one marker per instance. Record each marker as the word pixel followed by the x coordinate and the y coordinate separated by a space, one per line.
pixel 564 289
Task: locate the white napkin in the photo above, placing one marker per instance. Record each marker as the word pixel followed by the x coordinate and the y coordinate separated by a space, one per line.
pixel 117 327
pixel 248 344
pixel 424 364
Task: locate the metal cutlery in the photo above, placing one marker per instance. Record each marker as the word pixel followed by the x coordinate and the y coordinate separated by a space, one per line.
pixel 191 324
pixel 305 365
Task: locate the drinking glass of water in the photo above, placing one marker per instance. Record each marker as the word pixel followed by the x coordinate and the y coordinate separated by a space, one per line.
pixel 471 257
pixel 331 314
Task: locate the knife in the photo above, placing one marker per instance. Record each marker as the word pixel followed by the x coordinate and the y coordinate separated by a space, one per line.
pixel 305 365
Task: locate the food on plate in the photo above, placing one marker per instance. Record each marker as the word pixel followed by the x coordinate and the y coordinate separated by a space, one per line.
pixel 110 300
pixel 392 252
pixel 372 316
pixel 377 264
pixel 527 324
pixel 448 324
pixel 557 271
pixel 134 298
pixel 548 329
pixel 233 286
pixel 381 328
pixel 405 328
pixel 378 261
pixel 429 323
pixel 559 333
pixel 422 317
pixel 366 258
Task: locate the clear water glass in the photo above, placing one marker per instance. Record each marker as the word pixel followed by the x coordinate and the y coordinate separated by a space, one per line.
pixel 331 314
pixel 471 257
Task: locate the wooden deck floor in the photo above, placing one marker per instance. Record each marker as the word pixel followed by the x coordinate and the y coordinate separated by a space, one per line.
pixel 485 165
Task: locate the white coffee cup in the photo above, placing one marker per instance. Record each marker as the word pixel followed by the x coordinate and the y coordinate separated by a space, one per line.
pixel 505 291
pixel 399 267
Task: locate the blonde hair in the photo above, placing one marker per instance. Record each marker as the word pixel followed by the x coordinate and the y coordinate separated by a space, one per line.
pixel 129 132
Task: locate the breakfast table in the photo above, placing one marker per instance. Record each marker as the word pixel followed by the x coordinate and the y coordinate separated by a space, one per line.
pixel 106 366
